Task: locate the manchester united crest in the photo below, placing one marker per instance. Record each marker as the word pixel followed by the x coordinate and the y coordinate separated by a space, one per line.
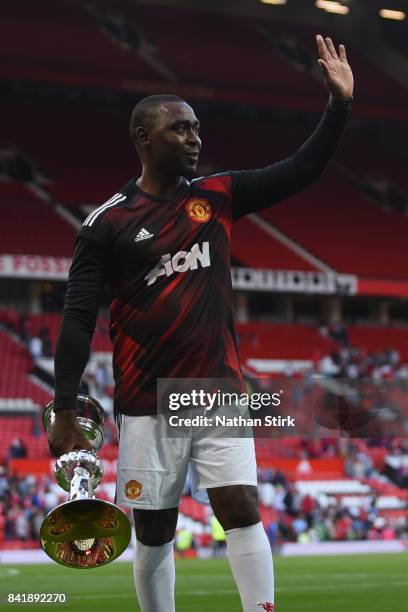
pixel 133 489
pixel 199 210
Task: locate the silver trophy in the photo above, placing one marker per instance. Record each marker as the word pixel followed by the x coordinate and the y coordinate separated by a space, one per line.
pixel 83 532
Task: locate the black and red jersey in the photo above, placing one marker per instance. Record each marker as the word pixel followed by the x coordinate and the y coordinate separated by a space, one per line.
pixel 167 262
pixel 168 268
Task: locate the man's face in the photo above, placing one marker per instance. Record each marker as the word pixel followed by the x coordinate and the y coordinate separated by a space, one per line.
pixel 173 143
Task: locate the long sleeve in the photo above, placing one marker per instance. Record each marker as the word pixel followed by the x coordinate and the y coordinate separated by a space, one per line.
pixel 86 281
pixel 253 190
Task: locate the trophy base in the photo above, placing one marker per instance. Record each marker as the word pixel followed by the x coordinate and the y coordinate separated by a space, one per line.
pixel 85 533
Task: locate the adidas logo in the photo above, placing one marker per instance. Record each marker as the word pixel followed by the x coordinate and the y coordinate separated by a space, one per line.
pixel 143 235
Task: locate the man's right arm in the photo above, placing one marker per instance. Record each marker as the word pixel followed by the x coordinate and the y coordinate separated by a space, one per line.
pixel 86 280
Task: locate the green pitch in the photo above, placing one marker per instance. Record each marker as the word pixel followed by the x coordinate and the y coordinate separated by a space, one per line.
pixel 372 583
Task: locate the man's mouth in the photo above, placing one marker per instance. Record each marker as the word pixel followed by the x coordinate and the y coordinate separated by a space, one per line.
pixel 192 157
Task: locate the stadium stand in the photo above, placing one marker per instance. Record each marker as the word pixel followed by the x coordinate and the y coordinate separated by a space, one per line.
pixel 30 226
pixel 360 154
pixel 376 338
pixel 262 340
pixel 395 35
pixel 85 174
pixel 288 341
pixel 307 218
pixel 330 219
pixel 27 431
pixel 97 59
pixel 298 496
pixel 15 383
pixel 100 343
pixel 252 246
pixel 225 53
pixel 280 341
pixel 50 35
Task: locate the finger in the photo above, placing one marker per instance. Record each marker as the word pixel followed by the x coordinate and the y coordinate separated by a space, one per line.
pixel 324 68
pixel 342 53
pixel 54 450
pixel 331 48
pixel 321 48
pixel 78 447
pixel 83 444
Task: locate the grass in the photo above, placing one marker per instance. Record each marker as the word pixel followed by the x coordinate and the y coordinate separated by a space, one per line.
pixel 372 583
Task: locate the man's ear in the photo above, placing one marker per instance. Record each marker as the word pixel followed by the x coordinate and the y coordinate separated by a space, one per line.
pixel 142 136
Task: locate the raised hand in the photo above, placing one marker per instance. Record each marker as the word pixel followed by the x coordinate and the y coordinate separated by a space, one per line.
pixel 337 74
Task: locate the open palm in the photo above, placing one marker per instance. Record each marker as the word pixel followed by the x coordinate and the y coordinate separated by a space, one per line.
pixel 337 74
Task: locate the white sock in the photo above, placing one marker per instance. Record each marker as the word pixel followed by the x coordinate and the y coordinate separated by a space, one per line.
pixel 250 557
pixel 155 577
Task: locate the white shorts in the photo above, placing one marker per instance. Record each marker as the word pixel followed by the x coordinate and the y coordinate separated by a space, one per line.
pixel 152 468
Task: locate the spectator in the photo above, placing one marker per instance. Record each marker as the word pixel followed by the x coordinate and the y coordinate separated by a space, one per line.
pixel 4 483
pixel 2 524
pixel 299 525
pixel 24 329
pixel 218 538
pixel 17 449
pixel 21 524
pixel 280 494
pixel 338 333
pixel 306 508
pixel 328 366
pixel 266 492
pixel 50 299
pixel 184 541
pixel 36 522
pixel 35 347
pixel 272 532
pixel 292 501
pixel 44 336
pixel 50 499
pixel 101 378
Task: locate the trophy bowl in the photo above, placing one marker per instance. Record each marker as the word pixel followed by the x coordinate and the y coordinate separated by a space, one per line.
pixel 83 532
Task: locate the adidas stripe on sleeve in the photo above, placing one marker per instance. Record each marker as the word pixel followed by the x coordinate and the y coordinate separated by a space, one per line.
pixel 91 218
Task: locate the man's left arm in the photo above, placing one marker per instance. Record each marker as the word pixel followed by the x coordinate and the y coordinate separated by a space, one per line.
pixel 254 190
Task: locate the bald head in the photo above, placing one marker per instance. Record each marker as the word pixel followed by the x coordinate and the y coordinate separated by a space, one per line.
pixel 146 111
pixel 165 132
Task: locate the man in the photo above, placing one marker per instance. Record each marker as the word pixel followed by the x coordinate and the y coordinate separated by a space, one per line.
pixel 162 244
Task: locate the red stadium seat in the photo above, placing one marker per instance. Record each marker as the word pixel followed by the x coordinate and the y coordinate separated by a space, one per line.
pixel 32 227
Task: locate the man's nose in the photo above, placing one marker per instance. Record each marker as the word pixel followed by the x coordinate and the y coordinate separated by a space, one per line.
pixel 194 140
